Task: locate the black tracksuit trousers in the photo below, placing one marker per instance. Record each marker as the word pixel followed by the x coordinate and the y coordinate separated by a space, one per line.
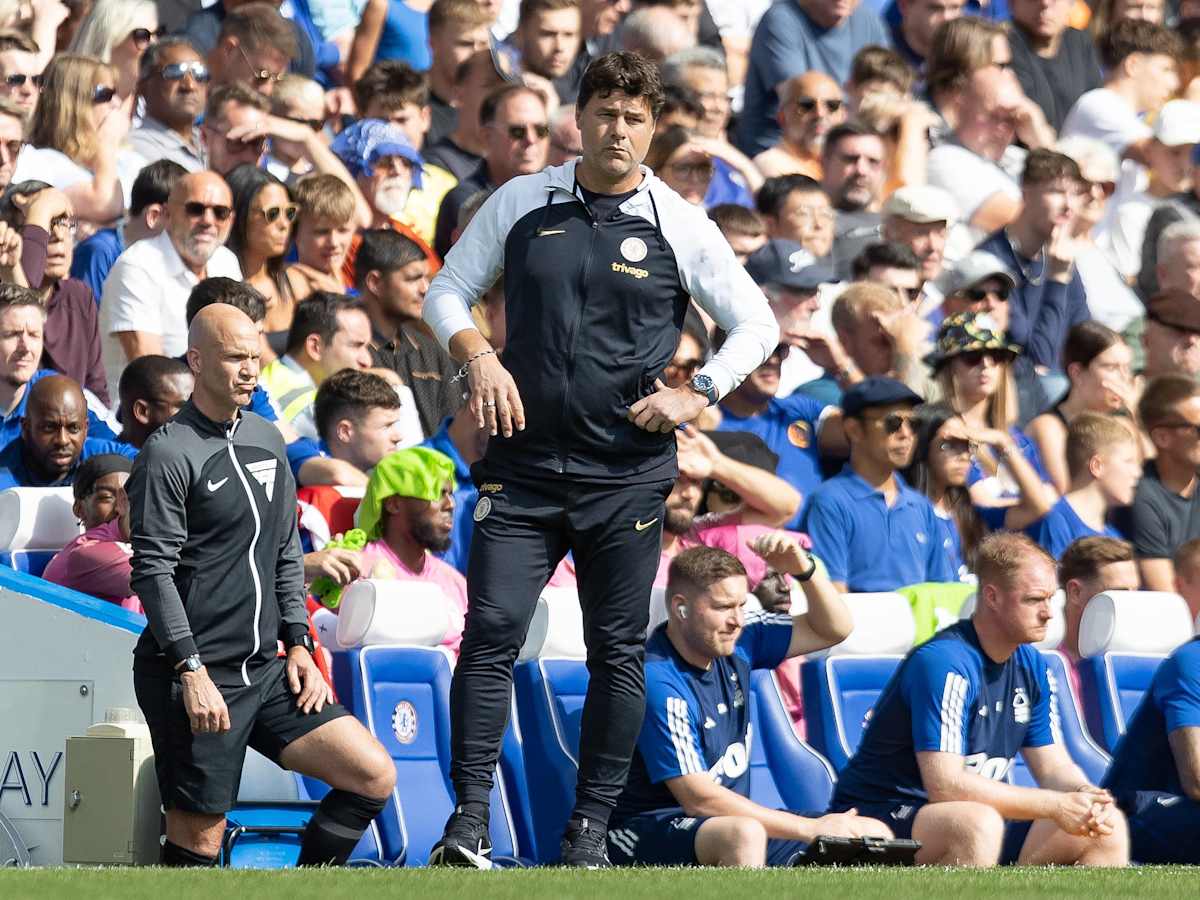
pixel 523 529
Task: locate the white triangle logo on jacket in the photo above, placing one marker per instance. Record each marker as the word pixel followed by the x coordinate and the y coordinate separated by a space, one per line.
pixel 264 473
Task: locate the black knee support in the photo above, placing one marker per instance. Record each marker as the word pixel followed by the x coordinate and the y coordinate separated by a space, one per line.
pixel 336 827
pixel 181 857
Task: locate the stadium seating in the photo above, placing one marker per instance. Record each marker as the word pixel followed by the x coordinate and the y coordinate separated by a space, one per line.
pixel 841 685
pixel 35 523
pixel 33 562
pixel 1123 636
pixel 785 772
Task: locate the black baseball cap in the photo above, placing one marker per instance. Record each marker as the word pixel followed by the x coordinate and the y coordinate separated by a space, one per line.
pixel 96 467
pixel 877 391
pixel 788 265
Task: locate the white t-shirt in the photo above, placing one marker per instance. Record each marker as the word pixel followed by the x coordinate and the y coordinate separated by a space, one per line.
pixel 970 178
pixel 147 290
pixel 60 171
pixel 1111 301
pixel 1123 231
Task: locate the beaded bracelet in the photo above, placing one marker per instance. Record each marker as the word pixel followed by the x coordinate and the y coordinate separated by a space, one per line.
pixel 462 373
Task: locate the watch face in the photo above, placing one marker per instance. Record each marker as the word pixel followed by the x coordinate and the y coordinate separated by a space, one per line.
pixel 702 383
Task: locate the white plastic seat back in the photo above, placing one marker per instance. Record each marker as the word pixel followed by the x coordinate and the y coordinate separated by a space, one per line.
pixel 388 611
pixel 1134 622
pixel 37 518
pixel 1056 630
pixel 883 625
pixel 556 630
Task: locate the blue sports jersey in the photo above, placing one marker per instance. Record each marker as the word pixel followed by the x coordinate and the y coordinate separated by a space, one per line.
pixel 1061 527
pixel 948 696
pixel 1143 760
pixel 789 428
pixel 699 720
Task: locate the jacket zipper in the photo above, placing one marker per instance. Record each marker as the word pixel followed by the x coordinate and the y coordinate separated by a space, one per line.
pixel 249 553
pixel 583 295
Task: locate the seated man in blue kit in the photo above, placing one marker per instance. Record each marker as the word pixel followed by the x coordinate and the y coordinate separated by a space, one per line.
pixel 1155 774
pixel 942 736
pixel 687 799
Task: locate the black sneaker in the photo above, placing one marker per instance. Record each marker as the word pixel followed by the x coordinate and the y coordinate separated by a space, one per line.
pixel 584 845
pixel 465 842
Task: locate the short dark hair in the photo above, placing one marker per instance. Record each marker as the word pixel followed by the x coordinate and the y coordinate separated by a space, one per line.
pixel 624 72
pixel 218 289
pixel 531 8
pixel 153 184
pixel 318 314
pixel 1162 395
pixel 1083 558
pixel 235 92
pixel 12 295
pixel 393 83
pixel 775 191
pixel 141 378
pixel 696 569
pixel 259 25
pixel 96 467
pixel 680 98
pixel 1129 36
pixel 888 254
pixel 1043 166
pixel 1086 341
pixel 850 129
pixel 875 63
pixel 384 250
pixel 733 218
pixel 351 394
pixel 491 103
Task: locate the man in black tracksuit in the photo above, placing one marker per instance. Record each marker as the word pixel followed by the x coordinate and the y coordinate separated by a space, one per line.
pixel 600 260
pixel 218 567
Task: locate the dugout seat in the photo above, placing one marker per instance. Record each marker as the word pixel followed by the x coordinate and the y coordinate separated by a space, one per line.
pixel 32 562
pixel 785 772
pixel 1123 636
pixel 840 685
pixel 37 519
pixel 402 694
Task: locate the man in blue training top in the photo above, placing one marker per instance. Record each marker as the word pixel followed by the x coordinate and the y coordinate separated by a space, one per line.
pixel 1155 774
pixel 687 800
pixel 943 734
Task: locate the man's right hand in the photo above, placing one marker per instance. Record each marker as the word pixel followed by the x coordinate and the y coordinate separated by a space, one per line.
pixel 849 824
pixel 495 401
pixel 205 706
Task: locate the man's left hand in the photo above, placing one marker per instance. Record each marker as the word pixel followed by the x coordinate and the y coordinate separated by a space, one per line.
pixel 306 681
pixel 667 408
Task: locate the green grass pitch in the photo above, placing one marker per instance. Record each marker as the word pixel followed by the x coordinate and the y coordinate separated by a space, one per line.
pixel 626 884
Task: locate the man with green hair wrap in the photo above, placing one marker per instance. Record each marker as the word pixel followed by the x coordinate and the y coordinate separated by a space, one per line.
pixel 407 514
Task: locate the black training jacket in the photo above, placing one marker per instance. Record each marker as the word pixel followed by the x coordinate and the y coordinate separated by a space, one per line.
pixel 216 556
pixel 593 312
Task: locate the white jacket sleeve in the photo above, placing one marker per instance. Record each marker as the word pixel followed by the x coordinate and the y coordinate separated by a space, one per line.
pixel 720 286
pixel 471 268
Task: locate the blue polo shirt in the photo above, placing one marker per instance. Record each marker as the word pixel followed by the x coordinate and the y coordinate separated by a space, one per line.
pixel 1061 527
pixel 15 473
pixel 10 425
pixel 789 427
pixel 301 451
pixel 869 545
pixel 94 258
pixel 465 496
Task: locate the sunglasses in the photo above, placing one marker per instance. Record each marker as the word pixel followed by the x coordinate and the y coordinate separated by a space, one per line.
pixel 103 94
pixel 314 124
pixel 518 132
pixel 808 104
pixel 272 214
pixel 196 210
pixel 729 496
pixel 956 447
pixel 12 148
pixel 177 71
pixel 19 80
pixel 978 295
pixel 893 422
pixel 142 37
pixel 973 358
pixel 68 224
pixel 687 366
pixel 1188 426
pixel 260 75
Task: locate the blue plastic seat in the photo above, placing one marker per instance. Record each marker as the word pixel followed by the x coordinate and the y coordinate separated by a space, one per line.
pixel 402 695
pixel 32 561
pixel 839 692
pixel 785 772
pixel 1113 685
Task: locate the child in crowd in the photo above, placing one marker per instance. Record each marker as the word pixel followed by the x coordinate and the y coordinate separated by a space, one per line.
pixel 324 230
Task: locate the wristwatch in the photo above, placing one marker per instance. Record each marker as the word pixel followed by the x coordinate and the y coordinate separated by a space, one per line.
pixel 702 384
pixel 190 664
pixel 812 568
pixel 305 641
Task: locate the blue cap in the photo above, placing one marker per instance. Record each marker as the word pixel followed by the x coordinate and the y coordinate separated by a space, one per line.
pixel 367 141
pixel 788 265
pixel 877 391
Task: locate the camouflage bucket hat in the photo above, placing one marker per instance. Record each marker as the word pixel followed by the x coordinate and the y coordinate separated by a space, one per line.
pixel 965 333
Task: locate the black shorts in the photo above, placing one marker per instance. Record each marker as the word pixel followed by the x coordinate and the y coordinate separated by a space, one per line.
pixel 1163 828
pixel 900 817
pixel 201 772
pixel 667 837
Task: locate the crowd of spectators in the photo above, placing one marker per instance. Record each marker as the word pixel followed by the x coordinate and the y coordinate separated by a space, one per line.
pixel 978 226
